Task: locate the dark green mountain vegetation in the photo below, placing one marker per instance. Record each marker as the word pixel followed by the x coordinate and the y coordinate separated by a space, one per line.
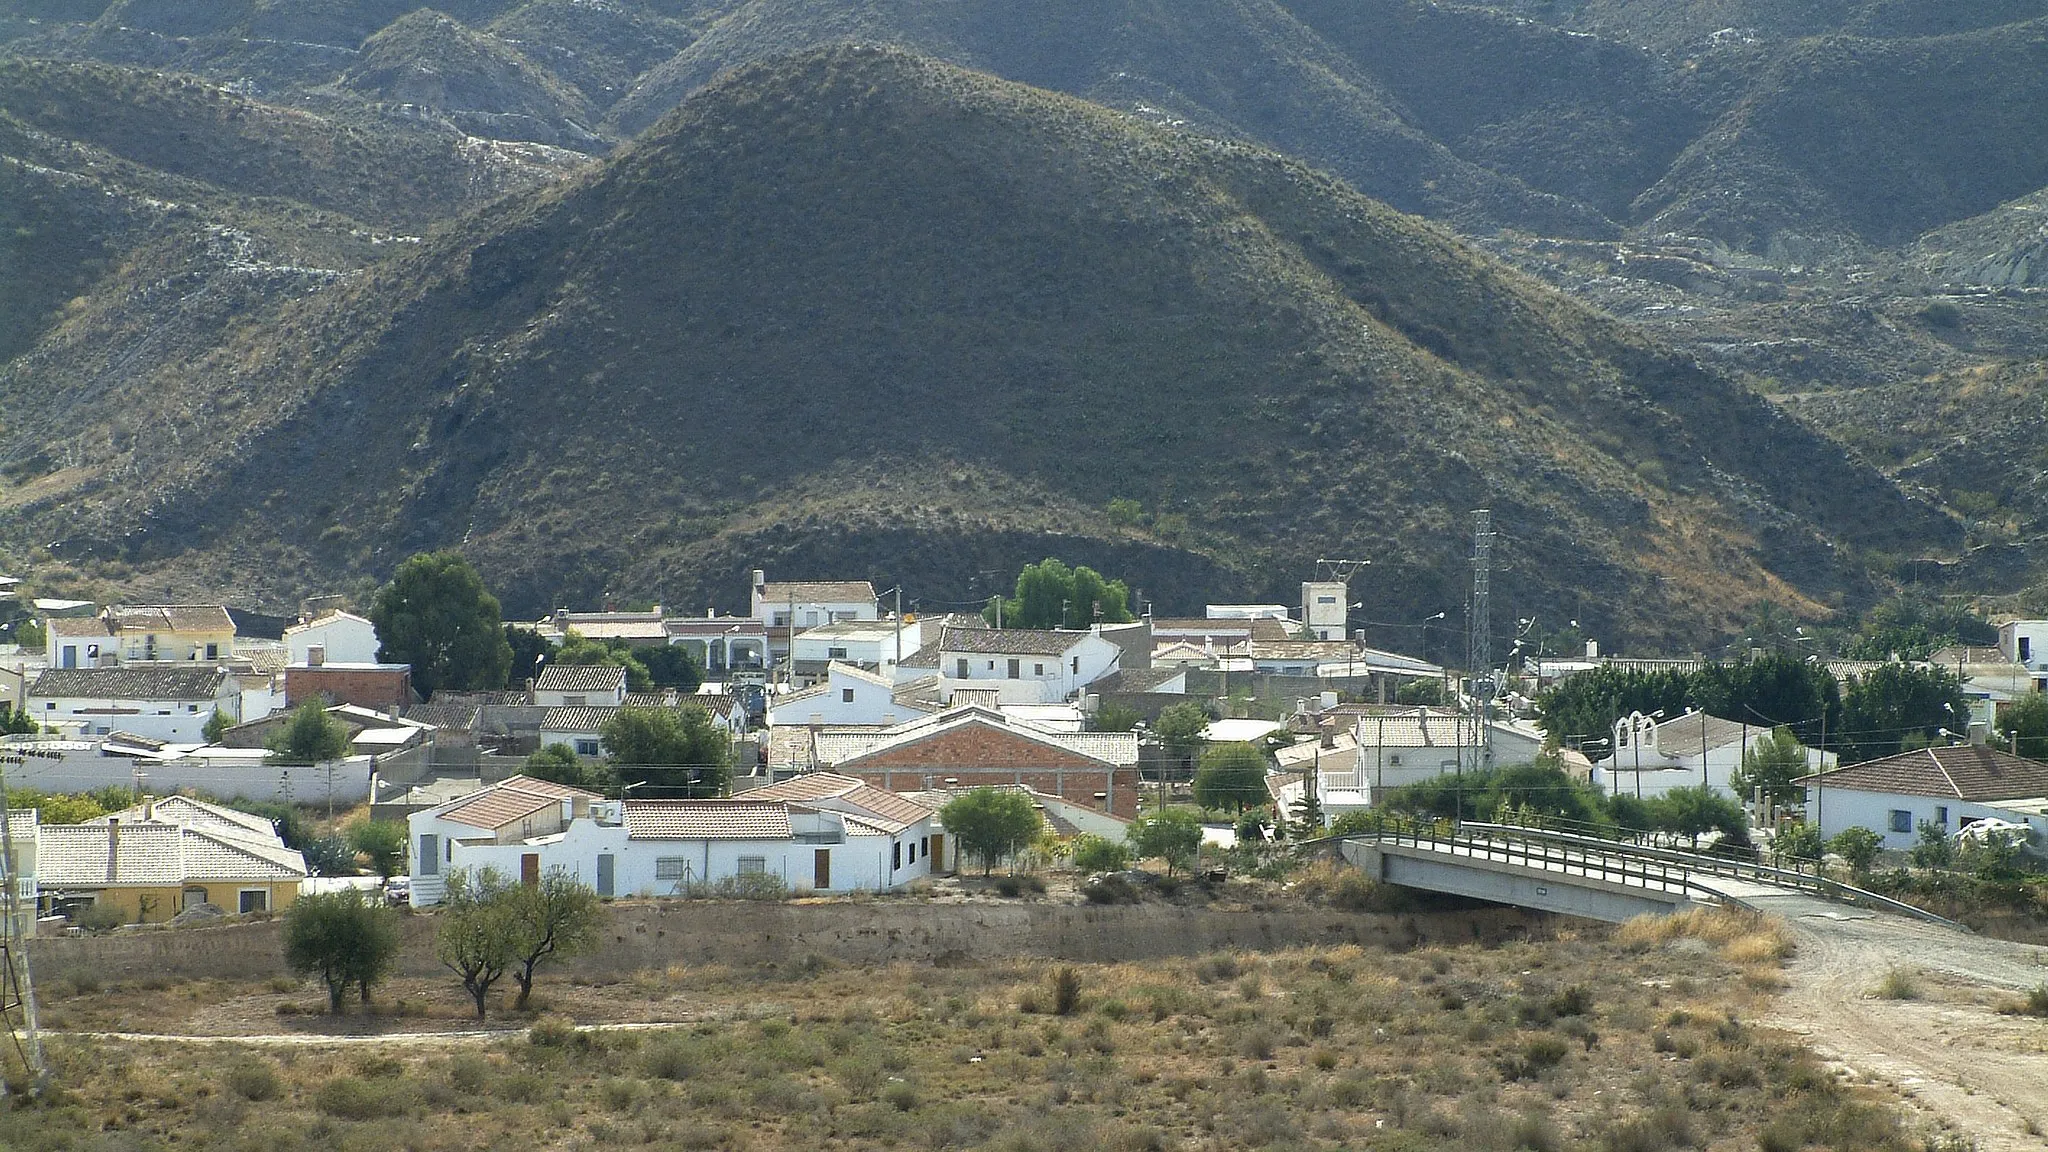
pixel 1293 367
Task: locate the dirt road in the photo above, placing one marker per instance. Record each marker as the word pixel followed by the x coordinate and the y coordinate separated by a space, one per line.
pixel 1949 1050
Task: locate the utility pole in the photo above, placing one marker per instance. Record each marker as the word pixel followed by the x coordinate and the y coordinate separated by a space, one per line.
pixel 1479 641
pixel 17 989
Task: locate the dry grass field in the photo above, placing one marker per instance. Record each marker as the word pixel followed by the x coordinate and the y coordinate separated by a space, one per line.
pixel 1629 1041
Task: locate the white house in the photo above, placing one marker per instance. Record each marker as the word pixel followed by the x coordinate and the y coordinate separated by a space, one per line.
pixel 809 603
pixel 2025 642
pixel 875 645
pixel 525 828
pixel 848 695
pixel 1652 757
pixel 142 633
pixel 578 686
pixel 168 702
pixel 1950 788
pixel 1023 665
pixel 342 637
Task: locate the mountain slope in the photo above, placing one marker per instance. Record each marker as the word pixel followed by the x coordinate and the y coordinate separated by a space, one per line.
pixel 869 308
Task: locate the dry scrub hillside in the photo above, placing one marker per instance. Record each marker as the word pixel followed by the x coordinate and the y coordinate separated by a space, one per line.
pixel 1642 1041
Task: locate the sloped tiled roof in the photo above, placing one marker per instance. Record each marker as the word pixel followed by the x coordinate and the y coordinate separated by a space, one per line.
pixel 133 682
pixel 835 746
pixel 1136 679
pixel 819 591
pixel 1971 772
pixel 1685 735
pixel 195 814
pixel 742 819
pixel 509 800
pixel 170 618
pixel 452 717
pixel 581 718
pixel 580 678
pixel 660 698
pixel 1010 641
pixel 818 786
pixel 325 618
pixel 93 856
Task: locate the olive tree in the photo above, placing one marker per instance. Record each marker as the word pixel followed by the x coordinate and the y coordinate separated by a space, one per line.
pixel 341 938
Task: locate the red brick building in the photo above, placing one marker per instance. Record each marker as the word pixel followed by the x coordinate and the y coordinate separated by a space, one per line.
pixel 379 686
pixel 971 747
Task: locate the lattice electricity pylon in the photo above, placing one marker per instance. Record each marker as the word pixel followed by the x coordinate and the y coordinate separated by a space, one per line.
pixel 17 988
pixel 1479 643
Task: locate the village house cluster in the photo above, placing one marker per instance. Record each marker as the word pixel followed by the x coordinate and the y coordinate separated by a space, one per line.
pixel 852 723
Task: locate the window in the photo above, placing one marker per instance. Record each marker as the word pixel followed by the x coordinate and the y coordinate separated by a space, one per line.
pixel 213 651
pixel 1902 820
pixel 846 695
pixel 753 865
pixel 780 619
pixel 1077 665
pixel 1394 761
pixel 1038 669
pixel 575 701
pixel 1013 668
pixel 1326 599
pixel 586 747
pixel 2026 649
pixel 895 856
pixel 835 653
pixel 1941 815
pixel 255 900
pixel 194 708
pixel 927 842
pixel 430 855
pixel 959 671
pixel 671 868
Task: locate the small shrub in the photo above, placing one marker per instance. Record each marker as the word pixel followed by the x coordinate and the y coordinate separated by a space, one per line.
pixel 1066 992
pixel 1215 969
pixel 1100 854
pixel 670 1058
pixel 350 1098
pixel 253 1080
pixel 1537 1056
pixel 1898 984
pixel 763 886
pixel 1110 889
pixel 553 1032
pixel 470 1073
pixel 901 1096
pixel 1573 1001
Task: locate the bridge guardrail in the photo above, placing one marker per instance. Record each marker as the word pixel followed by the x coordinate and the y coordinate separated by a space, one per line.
pixel 1797 879
pixel 1508 847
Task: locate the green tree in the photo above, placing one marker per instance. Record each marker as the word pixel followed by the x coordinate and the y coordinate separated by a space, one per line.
pixel 311 736
pixel 555 919
pixel 560 764
pixel 31 635
pixel 1910 628
pixel 2024 725
pixel 1052 595
pixel 680 749
pixel 1114 717
pixel 580 651
pixel 530 650
pixel 437 616
pixel 1540 787
pixel 1772 764
pixel 341 938
pixel 1421 690
pixel 1173 835
pixel 1100 854
pixel 216 725
pixel 1858 847
pixel 1180 730
pixel 1897 706
pixel 1776 689
pixel 1585 706
pixel 671 666
pixel 1697 810
pixel 1231 776
pixel 1933 849
pixel 383 842
pixel 476 939
pixel 991 823
pixel 1798 842
pixel 16 721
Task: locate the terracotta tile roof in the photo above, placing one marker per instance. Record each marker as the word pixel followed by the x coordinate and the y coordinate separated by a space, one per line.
pixel 925 657
pixel 581 718
pixel 818 591
pixel 740 819
pixel 1972 772
pixel 133 682
pixel 1009 641
pixel 838 746
pixel 508 800
pixel 170 618
pixel 452 717
pixel 547 788
pixel 78 627
pixel 1302 649
pixel 580 678
pixel 660 698
pixel 720 705
pixel 812 787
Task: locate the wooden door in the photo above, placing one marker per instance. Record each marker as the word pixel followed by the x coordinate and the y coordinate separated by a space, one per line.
pixel 938 862
pixel 821 869
pixel 529 869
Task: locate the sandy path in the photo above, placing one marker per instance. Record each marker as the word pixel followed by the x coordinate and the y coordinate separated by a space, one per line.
pixel 1950 1052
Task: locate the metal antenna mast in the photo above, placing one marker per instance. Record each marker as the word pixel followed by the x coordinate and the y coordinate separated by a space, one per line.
pixel 1479 644
pixel 17 990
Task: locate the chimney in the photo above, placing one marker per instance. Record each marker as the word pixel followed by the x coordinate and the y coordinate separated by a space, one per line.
pixel 316 655
pixel 760 580
pixel 149 809
pixel 1592 649
pixel 113 847
pixel 1329 734
pixel 529 689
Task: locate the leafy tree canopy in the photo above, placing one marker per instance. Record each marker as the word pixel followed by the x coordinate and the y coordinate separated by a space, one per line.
pixel 1912 628
pixel 1231 776
pixel 1100 854
pixel 437 616
pixel 1894 707
pixel 477 939
pixel 1113 717
pixel 1774 689
pixel 342 939
pixel 1697 810
pixel 2024 724
pixel 1052 595
pixel 676 749
pixel 990 823
pixel 1173 835
pixel 557 918
pixel 311 736
pixel 1857 846
pixel 1771 764
pixel 560 764
pixel 383 842
pixel 1180 728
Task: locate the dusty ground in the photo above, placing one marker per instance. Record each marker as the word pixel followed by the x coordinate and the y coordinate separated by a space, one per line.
pixel 1949 1051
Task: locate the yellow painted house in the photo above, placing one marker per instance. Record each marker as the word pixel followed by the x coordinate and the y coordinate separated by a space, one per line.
pixel 157 859
pixel 143 633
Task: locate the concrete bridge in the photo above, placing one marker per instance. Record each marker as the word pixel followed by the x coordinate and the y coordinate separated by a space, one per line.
pixel 1580 875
